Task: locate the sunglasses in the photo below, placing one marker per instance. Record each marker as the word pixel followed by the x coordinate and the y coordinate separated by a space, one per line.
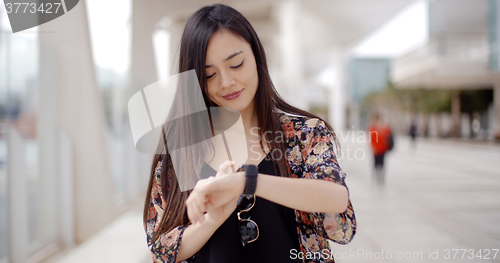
pixel 249 231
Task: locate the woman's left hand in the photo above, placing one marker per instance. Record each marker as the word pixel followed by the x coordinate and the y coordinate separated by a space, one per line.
pixel 213 192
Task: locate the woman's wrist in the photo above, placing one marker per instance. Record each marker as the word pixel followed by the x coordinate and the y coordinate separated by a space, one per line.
pixel 258 190
pixel 242 179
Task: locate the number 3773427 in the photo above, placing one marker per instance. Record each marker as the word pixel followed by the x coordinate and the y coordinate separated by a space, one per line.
pixel 470 253
pixel 46 8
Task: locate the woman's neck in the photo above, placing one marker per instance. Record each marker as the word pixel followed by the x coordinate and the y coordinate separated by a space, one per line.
pixel 249 117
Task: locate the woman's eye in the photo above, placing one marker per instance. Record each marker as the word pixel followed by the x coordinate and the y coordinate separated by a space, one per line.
pixel 210 76
pixel 238 65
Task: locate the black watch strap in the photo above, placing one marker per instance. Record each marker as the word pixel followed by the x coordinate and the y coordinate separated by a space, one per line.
pixel 251 172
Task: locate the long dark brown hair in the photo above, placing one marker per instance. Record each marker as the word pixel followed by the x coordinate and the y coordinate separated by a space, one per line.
pixel 197 33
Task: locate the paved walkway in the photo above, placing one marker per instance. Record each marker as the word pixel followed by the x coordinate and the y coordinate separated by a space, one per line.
pixel 439 196
pixel 123 241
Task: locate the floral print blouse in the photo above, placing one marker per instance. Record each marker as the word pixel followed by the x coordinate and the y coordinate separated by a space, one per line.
pixel 310 154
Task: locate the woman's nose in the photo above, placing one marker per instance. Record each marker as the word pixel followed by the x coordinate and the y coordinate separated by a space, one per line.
pixel 226 80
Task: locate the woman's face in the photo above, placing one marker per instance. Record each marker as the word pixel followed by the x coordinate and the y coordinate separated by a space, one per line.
pixel 231 71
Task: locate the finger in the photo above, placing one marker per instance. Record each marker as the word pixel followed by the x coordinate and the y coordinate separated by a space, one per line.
pixel 193 209
pixel 196 214
pixel 202 206
pixel 189 209
pixel 199 208
pixel 231 168
pixel 224 167
pixel 200 212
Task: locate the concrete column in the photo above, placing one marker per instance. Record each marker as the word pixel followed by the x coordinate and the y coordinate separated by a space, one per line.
pixel 496 110
pixel 65 46
pixel 47 137
pixel 142 73
pixel 291 85
pixel 143 67
pixel 176 28
pixel 337 102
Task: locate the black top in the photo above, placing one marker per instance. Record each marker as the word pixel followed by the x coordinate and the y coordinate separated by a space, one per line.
pixel 277 233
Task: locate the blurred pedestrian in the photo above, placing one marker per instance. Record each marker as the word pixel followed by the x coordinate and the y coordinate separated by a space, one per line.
pixel 413 133
pixel 381 141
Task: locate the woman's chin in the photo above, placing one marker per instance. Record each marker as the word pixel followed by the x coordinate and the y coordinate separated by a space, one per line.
pixel 237 106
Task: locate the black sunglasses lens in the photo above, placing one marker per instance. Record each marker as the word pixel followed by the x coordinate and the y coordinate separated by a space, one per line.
pixel 245 202
pixel 248 231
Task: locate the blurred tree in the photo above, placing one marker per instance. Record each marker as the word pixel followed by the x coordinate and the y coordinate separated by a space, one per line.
pixel 428 101
pixel 412 100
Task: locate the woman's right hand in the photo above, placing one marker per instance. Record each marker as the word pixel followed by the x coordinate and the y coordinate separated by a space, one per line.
pixel 217 215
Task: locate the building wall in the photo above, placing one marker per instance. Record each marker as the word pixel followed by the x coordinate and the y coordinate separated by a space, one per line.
pixel 368 75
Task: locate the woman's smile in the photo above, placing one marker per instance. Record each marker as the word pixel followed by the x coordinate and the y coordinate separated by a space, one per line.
pixel 232 95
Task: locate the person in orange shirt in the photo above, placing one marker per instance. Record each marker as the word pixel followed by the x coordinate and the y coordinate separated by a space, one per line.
pixel 379 134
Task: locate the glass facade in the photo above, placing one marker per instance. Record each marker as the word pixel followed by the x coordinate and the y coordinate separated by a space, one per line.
pixel 19 111
pixel 31 91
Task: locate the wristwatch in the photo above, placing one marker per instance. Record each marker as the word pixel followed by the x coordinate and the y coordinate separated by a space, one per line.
pixel 251 172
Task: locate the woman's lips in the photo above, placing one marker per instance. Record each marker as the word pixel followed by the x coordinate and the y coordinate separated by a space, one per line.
pixel 232 95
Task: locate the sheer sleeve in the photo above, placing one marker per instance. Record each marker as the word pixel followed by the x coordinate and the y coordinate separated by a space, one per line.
pixel 320 162
pixel 166 247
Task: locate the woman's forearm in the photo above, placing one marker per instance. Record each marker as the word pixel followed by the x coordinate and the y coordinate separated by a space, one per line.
pixel 194 238
pixel 307 195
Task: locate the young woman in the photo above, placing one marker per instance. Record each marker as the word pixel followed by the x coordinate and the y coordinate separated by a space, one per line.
pixel 299 200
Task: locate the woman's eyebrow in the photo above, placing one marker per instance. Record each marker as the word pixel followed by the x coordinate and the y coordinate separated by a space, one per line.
pixel 228 58
pixel 231 56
